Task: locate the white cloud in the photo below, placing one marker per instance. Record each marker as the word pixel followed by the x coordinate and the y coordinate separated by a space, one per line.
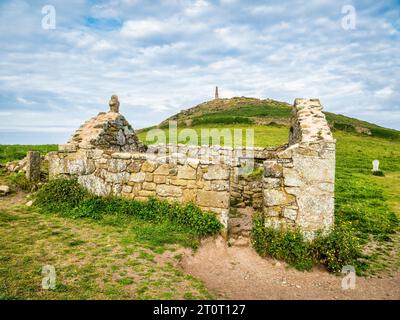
pixel 102 45
pixel 267 9
pixel 197 7
pixel 23 100
pixel 144 28
pixel 384 92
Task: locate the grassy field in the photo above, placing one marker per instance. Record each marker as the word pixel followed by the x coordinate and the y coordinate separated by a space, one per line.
pixel 17 152
pixel 113 258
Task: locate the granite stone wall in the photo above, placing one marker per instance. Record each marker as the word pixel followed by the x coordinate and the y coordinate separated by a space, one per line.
pixel 140 176
pixel 298 183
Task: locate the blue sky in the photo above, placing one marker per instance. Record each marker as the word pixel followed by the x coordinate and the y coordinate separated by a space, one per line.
pixel 164 56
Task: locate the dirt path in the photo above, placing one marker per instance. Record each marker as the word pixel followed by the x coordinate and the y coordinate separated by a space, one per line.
pixel 240 273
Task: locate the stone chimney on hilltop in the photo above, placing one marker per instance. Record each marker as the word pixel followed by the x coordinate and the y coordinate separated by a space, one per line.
pixel 216 93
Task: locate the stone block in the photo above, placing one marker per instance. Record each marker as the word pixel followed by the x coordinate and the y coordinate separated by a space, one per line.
pixel 163 170
pixel 116 165
pixel 134 166
pixel 121 155
pixel 137 177
pixel 213 199
pixel 186 172
pixel 272 169
pixel 164 190
pixel 149 166
pixel 33 166
pixel 216 172
pixel 149 186
pixel 159 179
pixel 276 198
pixel 290 214
pixel 126 189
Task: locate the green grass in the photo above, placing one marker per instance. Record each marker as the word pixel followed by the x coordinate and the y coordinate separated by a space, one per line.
pixel 263 135
pixel 93 259
pixel 17 152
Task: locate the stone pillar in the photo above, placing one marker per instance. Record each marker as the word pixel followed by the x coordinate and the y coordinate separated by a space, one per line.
pixel 298 183
pixel 114 104
pixel 33 166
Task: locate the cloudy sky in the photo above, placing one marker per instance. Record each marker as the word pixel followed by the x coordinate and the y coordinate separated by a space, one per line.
pixel 164 56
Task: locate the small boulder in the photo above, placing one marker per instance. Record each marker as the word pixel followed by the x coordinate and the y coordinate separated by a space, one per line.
pixel 4 190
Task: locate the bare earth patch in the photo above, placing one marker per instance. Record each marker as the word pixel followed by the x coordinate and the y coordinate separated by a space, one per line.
pixel 240 273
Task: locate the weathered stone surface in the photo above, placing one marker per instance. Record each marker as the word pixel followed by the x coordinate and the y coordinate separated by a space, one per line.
pixel 146 193
pixel 67 147
pixel 290 214
pixel 276 198
pixel 213 199
pixel 94 184
pixel 186 172
pixel 164 190
pixel 149 186
pixel 188 196
pixel 292 178
pixel 178 182
pixel 80 166
pixel 217 185
pixel 120 177
pixel 127 189
pixel 149 166
pixel 4 190
pixel 272 183
pixel 106 131
pixel 273 211
pixel 137 177
pixel 216 172
pixel 163 170
pixel 134 166
pixel 121 155
pixel 116 165
pixel 159 179
pixel 33 166
pixel 272 169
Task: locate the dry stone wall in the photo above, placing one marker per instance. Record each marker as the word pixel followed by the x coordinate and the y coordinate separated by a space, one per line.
pixel 140 176
pixel 299 183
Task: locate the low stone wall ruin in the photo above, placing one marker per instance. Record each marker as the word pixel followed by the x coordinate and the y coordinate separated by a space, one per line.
pixel 140 176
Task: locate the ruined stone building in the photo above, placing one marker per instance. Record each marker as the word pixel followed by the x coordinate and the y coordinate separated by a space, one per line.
pixel 296 188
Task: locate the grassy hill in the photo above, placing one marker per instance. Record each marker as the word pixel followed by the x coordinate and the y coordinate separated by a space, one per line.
pixel 252 111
